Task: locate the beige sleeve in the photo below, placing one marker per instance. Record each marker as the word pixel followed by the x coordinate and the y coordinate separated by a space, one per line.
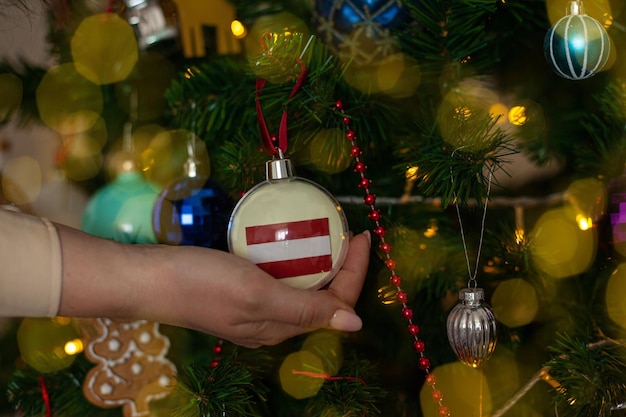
pixel 30 266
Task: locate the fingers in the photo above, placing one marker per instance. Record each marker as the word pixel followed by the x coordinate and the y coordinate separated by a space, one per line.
pixel 348 282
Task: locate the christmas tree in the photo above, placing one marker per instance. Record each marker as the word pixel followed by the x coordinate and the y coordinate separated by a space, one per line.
pixel 481 142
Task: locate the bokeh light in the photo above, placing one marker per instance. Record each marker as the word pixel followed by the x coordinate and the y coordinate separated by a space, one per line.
pixel 329 151
pixel 281 24
pixel 514 302
pixel 80 156
pixel 301 374
pixel 466 392
pixel 21 180
pixel 588 198
pixel 395 75
pixel 11 97
pixel 614 296
pixel 42 343
pixel 517 115
pixel 462 107
pixel 163 158
pixel 416 254
pixel 104 48
pixel 67 102
pixel 238 29
pixel 326 345
pixel 598 9
pixel 558 247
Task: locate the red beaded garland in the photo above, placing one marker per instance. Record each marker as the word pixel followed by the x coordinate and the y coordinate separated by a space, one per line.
pixel 385 247
pixel 375 215
pixel 437 395
pixel 395 280
pixel 424 363
pixel 419 346
pixel 390 264
pixel 360 167
pixel 431 379
pixel 365 183
pixel 355 151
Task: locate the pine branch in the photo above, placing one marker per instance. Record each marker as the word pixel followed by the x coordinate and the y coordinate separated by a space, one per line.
pixel 226 389
pixel 591 376
pixel 353 392
pixel 64 389
pixel 457 173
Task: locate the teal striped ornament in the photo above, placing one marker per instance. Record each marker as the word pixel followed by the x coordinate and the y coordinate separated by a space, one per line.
pixel 577 46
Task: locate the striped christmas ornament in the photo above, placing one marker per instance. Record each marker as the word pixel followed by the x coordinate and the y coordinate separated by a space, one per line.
pixel 291 228
pixel 577 46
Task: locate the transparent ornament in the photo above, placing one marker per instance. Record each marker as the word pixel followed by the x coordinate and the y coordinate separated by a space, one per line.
pixel 472 328
pixel 290 227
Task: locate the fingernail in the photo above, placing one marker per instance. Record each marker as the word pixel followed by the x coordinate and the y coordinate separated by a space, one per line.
pixel 369 236
pixel 345 321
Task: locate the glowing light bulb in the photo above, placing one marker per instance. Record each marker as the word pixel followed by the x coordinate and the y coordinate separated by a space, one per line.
pixel 238 29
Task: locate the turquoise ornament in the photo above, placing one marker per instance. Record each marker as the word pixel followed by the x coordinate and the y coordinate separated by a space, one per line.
pixel 122 210
pixel 577 46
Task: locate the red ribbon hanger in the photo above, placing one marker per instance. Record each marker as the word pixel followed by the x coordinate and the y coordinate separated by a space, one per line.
pixel 271 144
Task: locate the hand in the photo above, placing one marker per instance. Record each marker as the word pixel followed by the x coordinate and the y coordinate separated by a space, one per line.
pixel 203 289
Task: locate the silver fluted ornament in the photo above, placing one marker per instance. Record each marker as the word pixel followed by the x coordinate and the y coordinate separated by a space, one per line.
pixel 472 328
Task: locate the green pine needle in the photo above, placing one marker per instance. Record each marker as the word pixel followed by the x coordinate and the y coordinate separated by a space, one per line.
pixel 591 376
pixel 226 389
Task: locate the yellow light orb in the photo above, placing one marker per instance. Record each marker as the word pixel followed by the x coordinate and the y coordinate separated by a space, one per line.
pixel 238 29
pixel 329 151
pixel 465 392
pixel 104 48
pixel 326 345
pixel 498 110
pixel 462 108
pixel 614 296
pixel 163 159
pixel 588 198
pixel 416 254
pixel 514 302
pixel 11 97
pixel 73 347
pixel 301 374
pixel 558 247
pixel 80 157
pixel 42 342
pixel 21 180
pixel 68 113
pixel 517 115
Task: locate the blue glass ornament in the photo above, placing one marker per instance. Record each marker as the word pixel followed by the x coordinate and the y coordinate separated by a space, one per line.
pixel 338 21
pixel 192 211
pixel 122 210
pixel 577 46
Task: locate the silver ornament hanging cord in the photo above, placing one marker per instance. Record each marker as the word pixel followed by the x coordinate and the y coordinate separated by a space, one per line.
pixel 472 276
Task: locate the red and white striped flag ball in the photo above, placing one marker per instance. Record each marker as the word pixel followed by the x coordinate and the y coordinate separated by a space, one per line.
pixel 291 228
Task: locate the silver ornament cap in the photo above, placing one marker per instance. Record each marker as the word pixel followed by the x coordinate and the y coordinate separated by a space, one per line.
pixel 472 328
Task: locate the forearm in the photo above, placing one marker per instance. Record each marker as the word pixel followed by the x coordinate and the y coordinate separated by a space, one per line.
pixel 105 278
pixel 30 278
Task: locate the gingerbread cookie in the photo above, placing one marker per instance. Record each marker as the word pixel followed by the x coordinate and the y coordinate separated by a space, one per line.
pixel 131 369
